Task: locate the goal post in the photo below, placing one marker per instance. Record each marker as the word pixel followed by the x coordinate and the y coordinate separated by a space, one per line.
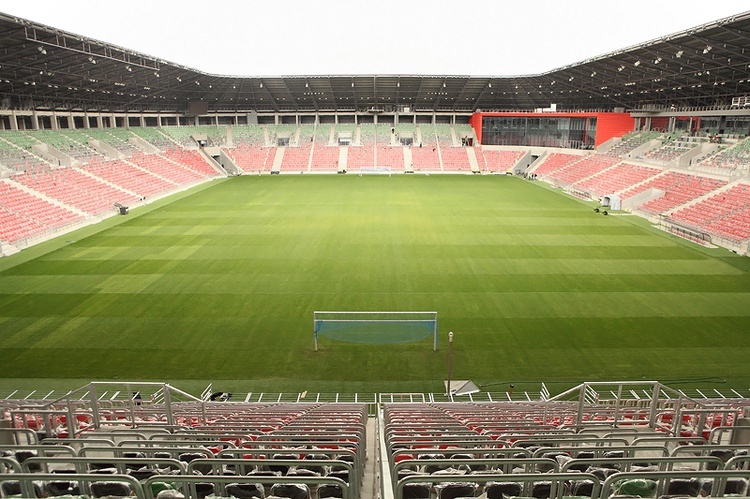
pixel 375 327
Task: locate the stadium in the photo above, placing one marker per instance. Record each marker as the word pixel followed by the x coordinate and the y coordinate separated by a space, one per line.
pixel 374 285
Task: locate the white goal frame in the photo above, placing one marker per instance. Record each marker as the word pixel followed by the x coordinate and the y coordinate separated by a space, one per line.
pixel 382 316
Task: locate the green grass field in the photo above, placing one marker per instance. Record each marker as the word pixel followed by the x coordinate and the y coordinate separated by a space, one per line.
pixel 220 285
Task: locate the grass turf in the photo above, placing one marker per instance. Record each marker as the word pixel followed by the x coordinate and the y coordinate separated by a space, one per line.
pixel 221 284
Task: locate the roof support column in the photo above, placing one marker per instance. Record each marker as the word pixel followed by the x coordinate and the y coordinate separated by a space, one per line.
pixel 13 121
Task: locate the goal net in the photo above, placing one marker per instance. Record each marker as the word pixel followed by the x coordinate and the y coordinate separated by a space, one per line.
pixel 375 170
pixel 375 327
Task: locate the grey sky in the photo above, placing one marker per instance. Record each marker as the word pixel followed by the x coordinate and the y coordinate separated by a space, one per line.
pixel 328 37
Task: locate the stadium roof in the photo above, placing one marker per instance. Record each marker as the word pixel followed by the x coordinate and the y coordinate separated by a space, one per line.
pixel 46 68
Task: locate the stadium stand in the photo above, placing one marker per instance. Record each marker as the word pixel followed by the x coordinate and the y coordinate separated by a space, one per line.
pixel 297 158
pixel 678 188
pixel 74 188
pixel 726 214
pixel 579 170
pixel 216 135
pixel 154 136
pixel 360 156
pixel 630 142
pixel 454 158
pixel 325 158
pixel 25 215
pixel 390 157
pixel 250 134
pixel 494 160
pixel 615 179
pixel 554 161
pixel 728 161
pixel 68 143
pixel 252 158
pixel 129 177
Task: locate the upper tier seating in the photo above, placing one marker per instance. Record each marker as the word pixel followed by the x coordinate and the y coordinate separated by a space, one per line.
pixel 154 136
pixel 250 134
pixel 216 135
pixel 730 161
pixel 70 142
pixel 630 142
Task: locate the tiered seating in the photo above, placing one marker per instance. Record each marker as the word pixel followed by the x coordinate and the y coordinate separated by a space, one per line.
pixel 282 131
pixel 444 135
pixel 115 137
pixel 17 159
pixel 498 161
pixel 367 133
pixel 390 157
pixel 251 158
pixel 153 136
pixel 360 157
pixel 615 179
pixel 297 158
pixel 221 449
pixel 70 142
pixel 559 449
pixel 630 142
pixel 217 135
pixel 76 189
pixel 23 215
pixel 428 135
pixel 463 131
pixel 129 177
pixel 425 158
pixel 668 153
pixel 383 135
pixel 726 214
pixel 586 167
pixel 555 161
pixel 164 168
pixel 678 188
pixel 325 158
pixel 190 159
pixel 454 158
pixel 250 134
pixel 730 161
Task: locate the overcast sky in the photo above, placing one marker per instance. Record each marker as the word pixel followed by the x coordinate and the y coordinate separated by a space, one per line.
pixel 333 37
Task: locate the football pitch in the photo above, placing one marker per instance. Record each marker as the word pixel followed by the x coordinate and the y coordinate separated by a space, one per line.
pixel 220 285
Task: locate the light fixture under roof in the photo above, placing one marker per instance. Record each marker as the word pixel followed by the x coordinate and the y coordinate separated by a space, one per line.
pixel 42 50
pixel 637 63
pixel 679 54
pixel 708 49
pixel 92 60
